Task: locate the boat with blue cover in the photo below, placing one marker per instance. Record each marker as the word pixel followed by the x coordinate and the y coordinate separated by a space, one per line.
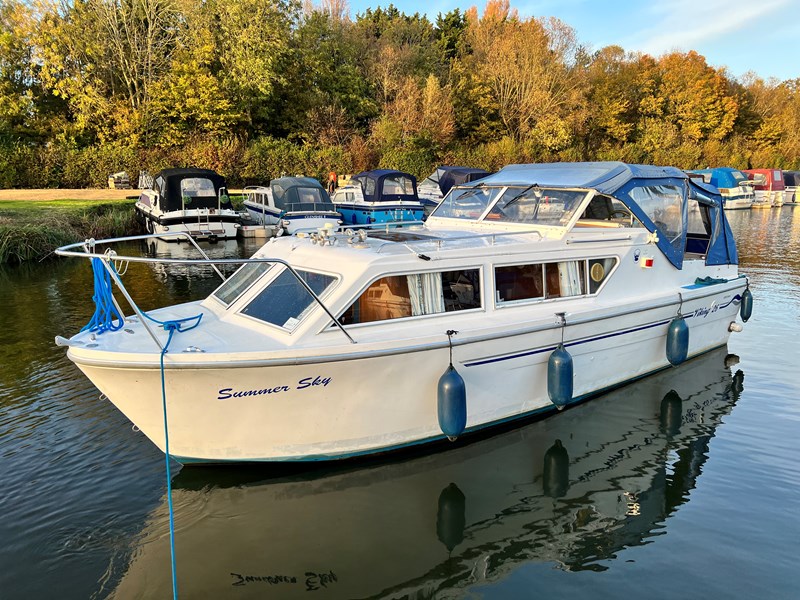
pixel 736 189
pixel 379 196
pixel 292 204
pixel 535 289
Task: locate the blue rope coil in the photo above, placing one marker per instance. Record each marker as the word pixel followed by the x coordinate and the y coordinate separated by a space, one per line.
pixel 105 311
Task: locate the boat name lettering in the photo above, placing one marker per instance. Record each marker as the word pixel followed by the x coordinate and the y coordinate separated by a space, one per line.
pixel 313 581
pixel 312 381
pixel 270 579
pixel 306 382
pixel 704 312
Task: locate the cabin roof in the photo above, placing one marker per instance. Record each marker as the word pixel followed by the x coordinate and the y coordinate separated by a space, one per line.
pixel 604 177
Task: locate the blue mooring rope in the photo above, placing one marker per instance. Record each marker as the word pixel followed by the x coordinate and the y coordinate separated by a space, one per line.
pixel 103 320
pixel 105 310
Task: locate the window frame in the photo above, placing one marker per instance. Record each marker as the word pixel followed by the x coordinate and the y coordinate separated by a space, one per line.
pixel 501 304
pixel 363 289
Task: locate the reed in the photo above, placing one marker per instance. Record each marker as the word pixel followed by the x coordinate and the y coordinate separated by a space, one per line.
pixel 34 231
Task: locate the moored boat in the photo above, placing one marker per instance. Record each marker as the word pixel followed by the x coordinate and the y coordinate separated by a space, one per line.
pixel 791 182
pixel 536 288
pixel 379 196
pixel 768 185
pixel 291 203
pixel 188 200
pixel 734 186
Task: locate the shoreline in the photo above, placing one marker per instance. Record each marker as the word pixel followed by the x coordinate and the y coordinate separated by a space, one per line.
pixel 51 194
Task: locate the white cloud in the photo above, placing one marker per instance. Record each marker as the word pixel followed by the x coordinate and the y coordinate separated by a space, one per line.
pixel 687 23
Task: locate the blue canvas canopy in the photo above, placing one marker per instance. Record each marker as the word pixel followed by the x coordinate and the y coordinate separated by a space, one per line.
pixel 791 178
pixel 385 185
pixel 722 177
pixel 299 193
pixel 722 246
pixel 657 196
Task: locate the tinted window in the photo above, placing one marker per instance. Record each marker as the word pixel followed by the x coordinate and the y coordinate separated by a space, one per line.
pixel 417 294
pixel 285 300
pixel 240 281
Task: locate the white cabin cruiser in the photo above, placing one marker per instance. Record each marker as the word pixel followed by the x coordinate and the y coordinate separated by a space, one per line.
pixel 525 292
pixel 291 203
pixel 190 200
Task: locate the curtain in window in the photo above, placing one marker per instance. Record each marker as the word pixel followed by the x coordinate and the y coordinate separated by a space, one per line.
pixel 569 278
pixel 425 290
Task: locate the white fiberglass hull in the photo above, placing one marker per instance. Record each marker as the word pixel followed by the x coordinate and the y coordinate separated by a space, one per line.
pixel 375 397
pixel 293 221
pixel 199 223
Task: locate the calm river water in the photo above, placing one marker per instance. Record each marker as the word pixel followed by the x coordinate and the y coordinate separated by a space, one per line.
pixel 683 485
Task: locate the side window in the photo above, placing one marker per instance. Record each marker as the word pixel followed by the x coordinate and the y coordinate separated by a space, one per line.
pixel 599 268
pixel 416 294
pixel 548 280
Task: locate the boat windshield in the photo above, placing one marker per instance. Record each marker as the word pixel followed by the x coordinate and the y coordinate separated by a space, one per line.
pixel 530 205
pixel 553 207
pixel 467 203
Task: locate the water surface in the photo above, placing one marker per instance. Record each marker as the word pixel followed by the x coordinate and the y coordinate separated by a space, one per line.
pixel 684 484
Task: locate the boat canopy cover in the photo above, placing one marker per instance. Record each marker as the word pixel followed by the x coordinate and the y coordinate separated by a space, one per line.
pixel 773 179
pixel 791 178
pixel 300 194
pixel 722 246
pixel 385 185
pixel 657 196
pixel 189 188
pixel 447 177
pixel 722 177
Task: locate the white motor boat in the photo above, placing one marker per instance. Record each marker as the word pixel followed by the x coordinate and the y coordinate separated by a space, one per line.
pixel 292 204
pixel 190 200
pixel 528 291
pixel 791 182
pixel 734 186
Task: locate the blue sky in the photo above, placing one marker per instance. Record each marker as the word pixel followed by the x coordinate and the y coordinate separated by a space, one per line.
pixel 743 35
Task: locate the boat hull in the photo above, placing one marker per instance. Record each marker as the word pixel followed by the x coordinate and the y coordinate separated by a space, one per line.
pixel 363 401
pixel 200 224
pixel 293 221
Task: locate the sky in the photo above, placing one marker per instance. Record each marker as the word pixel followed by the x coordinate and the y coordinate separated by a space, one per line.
pixel 762 36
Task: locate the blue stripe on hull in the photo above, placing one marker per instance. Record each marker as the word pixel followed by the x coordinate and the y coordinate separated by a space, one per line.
pixel 522 417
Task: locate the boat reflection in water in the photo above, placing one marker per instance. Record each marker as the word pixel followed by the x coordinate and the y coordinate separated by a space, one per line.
pixel 571 490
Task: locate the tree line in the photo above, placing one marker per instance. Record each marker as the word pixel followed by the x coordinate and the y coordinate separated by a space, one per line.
pixel 255 88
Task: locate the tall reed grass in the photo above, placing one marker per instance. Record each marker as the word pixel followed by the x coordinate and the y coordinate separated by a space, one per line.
pixel 34 234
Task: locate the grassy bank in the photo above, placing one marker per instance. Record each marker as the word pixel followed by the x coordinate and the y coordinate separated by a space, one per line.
pixel 32 230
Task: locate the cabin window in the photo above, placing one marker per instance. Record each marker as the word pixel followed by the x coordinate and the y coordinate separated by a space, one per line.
pixel 369 187
pixel 241 280
pixel 285 301
pixel 416 294
pixel 551 280
pixel 664 205
pixel 194 187
pixel 398 185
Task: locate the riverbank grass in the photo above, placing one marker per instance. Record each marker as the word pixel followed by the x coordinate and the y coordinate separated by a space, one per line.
pixel 33 230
